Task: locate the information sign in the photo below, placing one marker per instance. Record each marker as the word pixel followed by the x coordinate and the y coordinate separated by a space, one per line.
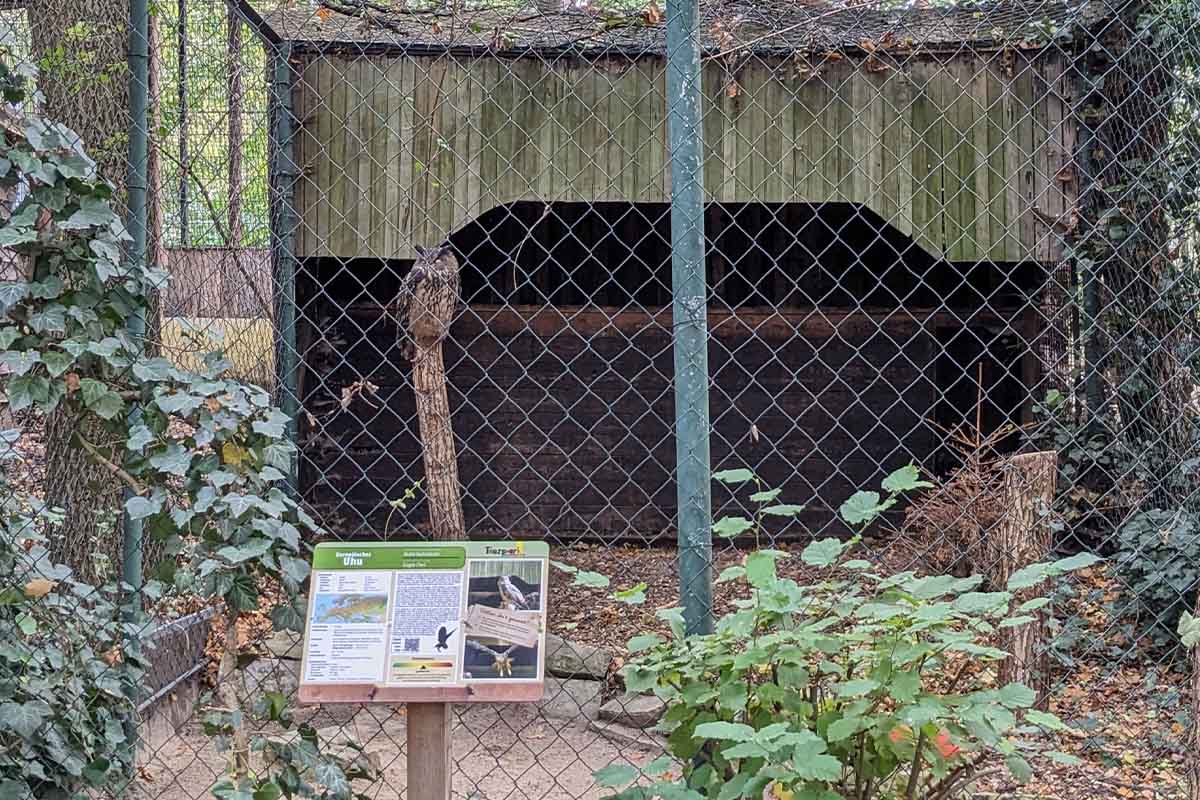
pixel 426 622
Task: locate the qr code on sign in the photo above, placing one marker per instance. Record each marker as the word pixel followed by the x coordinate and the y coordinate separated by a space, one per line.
pixel 412 645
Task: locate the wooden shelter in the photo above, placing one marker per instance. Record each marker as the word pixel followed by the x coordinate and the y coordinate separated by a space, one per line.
pixel 889 195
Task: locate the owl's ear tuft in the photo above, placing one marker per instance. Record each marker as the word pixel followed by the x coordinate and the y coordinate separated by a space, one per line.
pixel 421 251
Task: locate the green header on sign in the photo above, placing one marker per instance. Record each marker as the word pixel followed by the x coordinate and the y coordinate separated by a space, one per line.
pixel 418 555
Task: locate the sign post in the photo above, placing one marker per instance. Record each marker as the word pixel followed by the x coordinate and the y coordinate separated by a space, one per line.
pixel 427 624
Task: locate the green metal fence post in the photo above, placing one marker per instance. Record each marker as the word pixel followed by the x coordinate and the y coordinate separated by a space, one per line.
pixel 135 188
pixel 690 314
pixel 284 174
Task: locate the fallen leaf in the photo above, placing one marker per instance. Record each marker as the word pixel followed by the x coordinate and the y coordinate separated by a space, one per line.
pixel 233 453
pixel 38 588
pixel 213 404
pixel 72 381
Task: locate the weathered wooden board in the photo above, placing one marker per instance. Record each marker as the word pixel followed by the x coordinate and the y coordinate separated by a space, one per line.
pixel 404 151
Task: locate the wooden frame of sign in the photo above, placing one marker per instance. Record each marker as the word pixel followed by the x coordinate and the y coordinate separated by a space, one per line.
pixel 426 623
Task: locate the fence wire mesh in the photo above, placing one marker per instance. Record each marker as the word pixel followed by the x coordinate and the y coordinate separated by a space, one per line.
pixel 950 234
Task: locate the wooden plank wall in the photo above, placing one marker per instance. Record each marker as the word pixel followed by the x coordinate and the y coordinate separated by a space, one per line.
pixel 957 152
pixel 565 417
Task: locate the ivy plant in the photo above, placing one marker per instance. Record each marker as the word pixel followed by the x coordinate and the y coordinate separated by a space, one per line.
pixel 859 685
pixel 68 683
pixel 205 457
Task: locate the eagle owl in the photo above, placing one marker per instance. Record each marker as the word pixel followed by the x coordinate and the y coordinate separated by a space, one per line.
pixel 427 299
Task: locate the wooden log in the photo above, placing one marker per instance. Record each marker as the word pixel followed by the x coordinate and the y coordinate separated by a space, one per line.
pixel 1022 537
pixel 429 748
pixel 437 441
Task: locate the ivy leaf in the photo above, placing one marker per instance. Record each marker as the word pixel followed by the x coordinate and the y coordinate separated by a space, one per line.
pixel 139 507
pixel 733 476
pixel 153 369
pixel 177 460
pixel 243 593
pixel 24 719
pixel 57 362
pixel 1189 629
pixel 18 362
pixel 99 399
pixel 823 552
pixel 295 569
pixel 139 437
pixel 285 617
pixel 273 426
pixel 93 212
pixel 51 319
pixel 11 293
pixel 861 508
pixel 905 479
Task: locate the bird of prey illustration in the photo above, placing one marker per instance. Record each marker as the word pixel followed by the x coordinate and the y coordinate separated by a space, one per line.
pixel 427 299
pixel 501 660
pixel 443 637
pixel 513 598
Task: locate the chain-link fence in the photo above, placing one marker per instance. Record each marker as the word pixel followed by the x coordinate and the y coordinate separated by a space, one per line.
pixel 950 234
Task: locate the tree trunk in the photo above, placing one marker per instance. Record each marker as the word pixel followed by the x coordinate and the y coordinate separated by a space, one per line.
pixel 231 691
pixel 1020 538
pixel 81 46
pixel 437 440
pixel 1193 765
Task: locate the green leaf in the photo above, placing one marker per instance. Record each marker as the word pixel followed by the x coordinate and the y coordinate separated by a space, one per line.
pixel 1189 630
pixel 1016 695
pixel 24 719
pixel 139 507
pixel 760 569
pixel 93 212
pixel 843 728
pixel 18 362
pixel 644 642
pixel 635 595
pixel 102 401
pixel 268 791
pixel 905 479
pixel 331 776
pixel 1043 720
pixel 857 687
pixel 861 508
pixel 784 510
pixel 1063 758
pixel 724 731
pixel 765 496
pixel 823 552
pixel 731 573
pixel 57 362
pixel 614 775
pixel 729 527
pixel 733 476
pixel 243 593
pixel 821 767
pixel 27 624
pixel 295 569
pixel 51 319
pixel 1019 768
pixel 1028 576
pixel 659 766
pixel 1075 562
pixel 176 460
pixel 593 580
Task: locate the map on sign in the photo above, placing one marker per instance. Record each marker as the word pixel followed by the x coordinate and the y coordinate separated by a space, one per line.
pixel 435 621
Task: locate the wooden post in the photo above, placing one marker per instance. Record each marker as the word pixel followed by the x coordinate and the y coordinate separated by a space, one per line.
pixel 1022 537
pixel 429 749
pixel 437 442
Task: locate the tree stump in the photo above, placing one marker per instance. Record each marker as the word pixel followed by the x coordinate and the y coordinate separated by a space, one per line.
pixel 437 439
pixel 1022 537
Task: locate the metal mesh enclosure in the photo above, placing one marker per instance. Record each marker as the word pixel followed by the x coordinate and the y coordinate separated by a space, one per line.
pixel 944 234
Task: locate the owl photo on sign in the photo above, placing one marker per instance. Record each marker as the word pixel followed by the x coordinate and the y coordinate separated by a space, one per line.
pixel 427 299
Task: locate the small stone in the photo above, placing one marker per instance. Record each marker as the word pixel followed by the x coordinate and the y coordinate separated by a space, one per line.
pixel 570 699
pixel 567 659
pixel 634 710
pixel 285 644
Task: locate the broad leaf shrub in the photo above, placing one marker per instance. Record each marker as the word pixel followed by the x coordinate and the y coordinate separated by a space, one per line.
pixel 205 457
pixel 68 683
pixel 1158 562
pixel 861 685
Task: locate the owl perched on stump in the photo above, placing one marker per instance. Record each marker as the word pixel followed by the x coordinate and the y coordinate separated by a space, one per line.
pixel 427 299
